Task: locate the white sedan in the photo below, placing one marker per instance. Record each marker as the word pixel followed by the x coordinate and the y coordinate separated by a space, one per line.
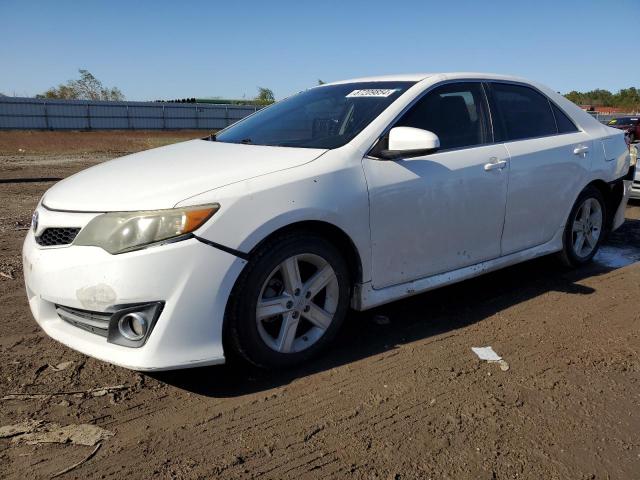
pixel 255 242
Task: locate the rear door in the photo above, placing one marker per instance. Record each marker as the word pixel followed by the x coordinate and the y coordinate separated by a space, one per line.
pixel 549 160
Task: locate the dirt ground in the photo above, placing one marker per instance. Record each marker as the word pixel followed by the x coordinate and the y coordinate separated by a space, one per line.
pixel 59 154
pixel 399 400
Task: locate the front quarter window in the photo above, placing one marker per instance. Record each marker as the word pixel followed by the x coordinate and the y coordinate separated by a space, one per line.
pixel 328 116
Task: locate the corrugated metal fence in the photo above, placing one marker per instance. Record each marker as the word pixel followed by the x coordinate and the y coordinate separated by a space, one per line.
pixel 41 114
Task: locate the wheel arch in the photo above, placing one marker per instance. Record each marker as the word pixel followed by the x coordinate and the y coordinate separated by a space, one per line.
pixel 337 236
pixel 328 231
pixel 612 193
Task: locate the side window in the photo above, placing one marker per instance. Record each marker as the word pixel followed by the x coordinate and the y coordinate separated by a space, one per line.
pixel 565 125
pixel 524 112
pixel 456 113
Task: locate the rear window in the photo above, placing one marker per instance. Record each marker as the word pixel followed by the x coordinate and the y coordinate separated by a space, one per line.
pixel 565 125
pixel 524 113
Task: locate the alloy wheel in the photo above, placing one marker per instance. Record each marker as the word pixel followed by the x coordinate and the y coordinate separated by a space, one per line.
pixel 587 228
pixel 297 303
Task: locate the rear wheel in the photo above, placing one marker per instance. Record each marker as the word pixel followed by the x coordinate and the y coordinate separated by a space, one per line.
pixel 289 302
pixel 585 227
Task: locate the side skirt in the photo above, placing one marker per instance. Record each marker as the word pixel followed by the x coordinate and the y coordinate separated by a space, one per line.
pixel 366 297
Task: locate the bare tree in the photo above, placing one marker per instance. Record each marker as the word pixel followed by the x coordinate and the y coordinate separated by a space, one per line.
pixel 87 87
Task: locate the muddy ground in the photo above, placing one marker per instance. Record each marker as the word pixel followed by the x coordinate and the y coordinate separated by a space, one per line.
pixel 407 399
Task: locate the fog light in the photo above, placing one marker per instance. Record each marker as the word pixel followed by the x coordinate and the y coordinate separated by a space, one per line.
pixel 133 326
pixel 130 325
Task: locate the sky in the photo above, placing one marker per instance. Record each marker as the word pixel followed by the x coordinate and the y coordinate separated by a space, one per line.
pixel 175 49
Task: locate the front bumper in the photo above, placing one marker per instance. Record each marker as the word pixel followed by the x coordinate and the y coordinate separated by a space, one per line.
pixel 193 279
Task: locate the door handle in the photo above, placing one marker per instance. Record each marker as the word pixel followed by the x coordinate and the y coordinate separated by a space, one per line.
pixel 495 165
pixel 582 150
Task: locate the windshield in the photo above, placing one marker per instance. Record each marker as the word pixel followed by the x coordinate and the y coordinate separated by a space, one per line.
pixel 322 117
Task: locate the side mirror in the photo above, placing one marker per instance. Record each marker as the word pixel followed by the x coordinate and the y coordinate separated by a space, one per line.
pixel 406 142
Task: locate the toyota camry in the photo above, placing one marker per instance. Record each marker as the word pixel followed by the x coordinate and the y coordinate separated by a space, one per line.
pixel 256 241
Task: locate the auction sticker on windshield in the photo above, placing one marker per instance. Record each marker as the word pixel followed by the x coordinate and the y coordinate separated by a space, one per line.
pixel 372 92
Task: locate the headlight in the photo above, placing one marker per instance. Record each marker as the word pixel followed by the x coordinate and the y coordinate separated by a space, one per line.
pixel 119 232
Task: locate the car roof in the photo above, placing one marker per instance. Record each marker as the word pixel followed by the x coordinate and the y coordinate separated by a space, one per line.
pixel 417 77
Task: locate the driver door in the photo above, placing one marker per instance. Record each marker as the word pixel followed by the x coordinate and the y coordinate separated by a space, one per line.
pixel 442 211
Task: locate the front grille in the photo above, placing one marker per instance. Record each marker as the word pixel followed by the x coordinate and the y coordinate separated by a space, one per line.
pixel 57 236
pixel 93 322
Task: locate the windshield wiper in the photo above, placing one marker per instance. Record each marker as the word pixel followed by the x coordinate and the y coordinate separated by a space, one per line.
pixel 245 141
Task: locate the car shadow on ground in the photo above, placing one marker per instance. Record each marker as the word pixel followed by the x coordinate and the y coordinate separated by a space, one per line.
pixel 416 318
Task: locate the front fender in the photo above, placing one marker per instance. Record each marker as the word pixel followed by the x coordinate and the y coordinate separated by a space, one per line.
pixel 326 190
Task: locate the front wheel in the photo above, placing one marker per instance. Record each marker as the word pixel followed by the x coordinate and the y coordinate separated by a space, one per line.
pixel 289 302
pixel 584 230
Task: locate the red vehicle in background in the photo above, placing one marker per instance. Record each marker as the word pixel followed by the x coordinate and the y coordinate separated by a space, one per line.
pixel 631 125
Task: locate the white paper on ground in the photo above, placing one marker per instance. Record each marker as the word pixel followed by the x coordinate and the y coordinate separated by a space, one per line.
pixel 486 353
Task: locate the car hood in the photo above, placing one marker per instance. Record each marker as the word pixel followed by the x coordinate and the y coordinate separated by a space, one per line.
pixel 162 177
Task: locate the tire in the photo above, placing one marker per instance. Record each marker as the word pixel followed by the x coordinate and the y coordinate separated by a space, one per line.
pixel 266 341
pixel 572 254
